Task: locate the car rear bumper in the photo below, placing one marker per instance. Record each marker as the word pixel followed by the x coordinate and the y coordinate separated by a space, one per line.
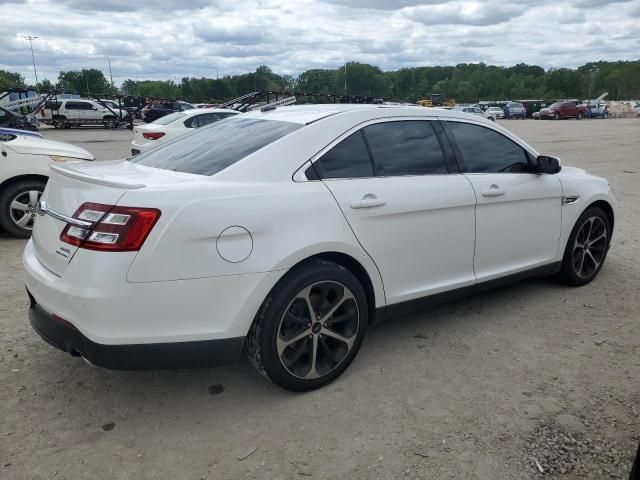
pixel 193 354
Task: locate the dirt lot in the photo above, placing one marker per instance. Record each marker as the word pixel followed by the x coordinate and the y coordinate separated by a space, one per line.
pixel 478 389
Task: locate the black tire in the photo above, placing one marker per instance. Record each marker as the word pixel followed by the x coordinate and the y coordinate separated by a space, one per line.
pixel 282 311
pixel 573 271
pixel 579 116
pixel 556 116
pixel 110 121
pixel 59 121
pixel 16 191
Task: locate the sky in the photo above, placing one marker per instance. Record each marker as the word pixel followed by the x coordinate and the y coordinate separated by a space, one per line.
pixel 170 39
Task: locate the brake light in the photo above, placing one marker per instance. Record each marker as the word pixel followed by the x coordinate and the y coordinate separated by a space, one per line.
pixel 153 135
pixel 113 228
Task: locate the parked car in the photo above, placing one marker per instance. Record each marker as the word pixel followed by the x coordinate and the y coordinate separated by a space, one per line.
pixel 495 112
pixel 288 231
pixel 24 168
pixel 154 111
pixel 596 111
pixel 9 119
pixel 515 110
pixel 560 110
pixel 119 109
pixel 75 112
pixel 474 111
pixel 173 125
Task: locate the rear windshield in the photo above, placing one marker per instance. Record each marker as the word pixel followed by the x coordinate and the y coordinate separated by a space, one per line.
pixel 211 149
pixel 167 119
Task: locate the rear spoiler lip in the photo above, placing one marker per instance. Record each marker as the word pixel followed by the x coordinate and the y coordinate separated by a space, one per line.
pixel 69 172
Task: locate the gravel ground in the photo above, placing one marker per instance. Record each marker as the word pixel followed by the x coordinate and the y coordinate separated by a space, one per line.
pixel 528 381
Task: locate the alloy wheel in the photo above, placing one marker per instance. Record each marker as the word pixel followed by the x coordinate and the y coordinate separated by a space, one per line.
pixel 589 247
pixel 22 208
pixel 317 330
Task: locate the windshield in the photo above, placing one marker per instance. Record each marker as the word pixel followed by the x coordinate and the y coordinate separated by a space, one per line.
pixel 555 105
pixel 211 149
pixel 167 119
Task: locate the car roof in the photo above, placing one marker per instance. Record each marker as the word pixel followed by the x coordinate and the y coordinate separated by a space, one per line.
pixel 306 114
pixel 202 111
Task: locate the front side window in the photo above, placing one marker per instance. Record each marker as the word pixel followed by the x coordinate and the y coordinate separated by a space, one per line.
pixel 405 148
pixel 487 151
pixel 209 150
pixel 348 159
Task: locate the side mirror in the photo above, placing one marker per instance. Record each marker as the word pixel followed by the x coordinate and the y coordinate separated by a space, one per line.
pixel 546 164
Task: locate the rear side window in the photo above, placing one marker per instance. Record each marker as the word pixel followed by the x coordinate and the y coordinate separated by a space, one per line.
pixel 405 148
pixel 79 106
pixel 210 150
pixel 52 105
pixel 348 159
pixel 487 151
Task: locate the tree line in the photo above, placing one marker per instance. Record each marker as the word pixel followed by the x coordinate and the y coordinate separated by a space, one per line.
pixel 463 82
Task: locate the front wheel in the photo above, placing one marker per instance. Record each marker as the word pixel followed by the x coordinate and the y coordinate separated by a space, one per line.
pixel 587 247
pixel 310 326
pixel 579 116
pixel 18 204
pixel 556 116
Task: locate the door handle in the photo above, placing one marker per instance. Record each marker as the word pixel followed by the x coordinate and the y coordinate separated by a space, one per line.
pixel 493 191
pixel 368 201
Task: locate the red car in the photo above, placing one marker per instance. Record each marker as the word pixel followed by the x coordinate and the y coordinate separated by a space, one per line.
pixel 559 110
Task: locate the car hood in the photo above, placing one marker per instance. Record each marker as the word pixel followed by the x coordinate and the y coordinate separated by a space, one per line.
pixel 29 144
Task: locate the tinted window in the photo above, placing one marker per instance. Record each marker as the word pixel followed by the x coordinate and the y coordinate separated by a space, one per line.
pixel 53 105
pixel 210 150
pixel 485 150
pixel 348 159
pixel 405 148
pixel 79 106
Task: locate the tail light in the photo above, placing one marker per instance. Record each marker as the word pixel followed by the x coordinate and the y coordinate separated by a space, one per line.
pixel 113 229
pixel 153 135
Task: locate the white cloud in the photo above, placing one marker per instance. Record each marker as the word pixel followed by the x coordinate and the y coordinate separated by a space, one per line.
pixel 169 39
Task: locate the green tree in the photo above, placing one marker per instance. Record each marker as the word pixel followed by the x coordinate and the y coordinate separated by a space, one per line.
pixel 11 80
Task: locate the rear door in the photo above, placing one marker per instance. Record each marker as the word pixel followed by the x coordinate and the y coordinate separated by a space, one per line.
pixel 408 209
pixel 518 213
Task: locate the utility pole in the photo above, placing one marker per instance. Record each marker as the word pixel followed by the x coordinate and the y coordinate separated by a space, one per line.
pixel 31 39
pixel 110 74
pixel 345 79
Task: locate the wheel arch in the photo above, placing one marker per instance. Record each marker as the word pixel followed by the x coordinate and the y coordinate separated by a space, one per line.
pixel 356 268
pixel 608 209
pixel 21 178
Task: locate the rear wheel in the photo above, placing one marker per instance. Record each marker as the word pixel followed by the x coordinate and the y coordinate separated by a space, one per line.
pixel 310 327
pixel 18 204
pixel 587 247
pixel 110 121
pixel 59 121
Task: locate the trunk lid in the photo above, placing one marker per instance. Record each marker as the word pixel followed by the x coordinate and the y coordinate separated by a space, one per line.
pixel 72 184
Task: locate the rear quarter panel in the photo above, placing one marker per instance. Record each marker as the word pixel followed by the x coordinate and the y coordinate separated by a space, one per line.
pixel 287 222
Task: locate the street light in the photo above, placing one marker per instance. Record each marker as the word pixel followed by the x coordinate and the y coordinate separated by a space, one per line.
pixel 31 39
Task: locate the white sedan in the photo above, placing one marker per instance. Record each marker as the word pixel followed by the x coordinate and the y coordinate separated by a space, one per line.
pixel 495 112
pixel 174 125
pixel 288 231
pixel 24 168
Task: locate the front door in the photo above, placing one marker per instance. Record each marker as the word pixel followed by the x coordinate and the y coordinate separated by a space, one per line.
pixel 518 215
pixel 413 217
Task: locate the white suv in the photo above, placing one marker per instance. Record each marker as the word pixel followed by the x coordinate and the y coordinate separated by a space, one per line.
pixel 74 112
pixel 24 169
